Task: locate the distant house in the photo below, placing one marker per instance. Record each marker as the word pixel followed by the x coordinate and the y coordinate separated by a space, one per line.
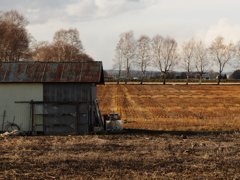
pixel 122 77
pixel 177 75
pixel 52 98
pixel 206 76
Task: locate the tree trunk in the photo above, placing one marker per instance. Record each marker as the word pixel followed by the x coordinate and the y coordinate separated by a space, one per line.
pixel 143 74
pixel 219 79
pixel 119 74
pixel 164 79
pixel 200 80
pixel 128 72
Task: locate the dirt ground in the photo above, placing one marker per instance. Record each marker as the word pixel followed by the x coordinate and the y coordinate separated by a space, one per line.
pixel 139 155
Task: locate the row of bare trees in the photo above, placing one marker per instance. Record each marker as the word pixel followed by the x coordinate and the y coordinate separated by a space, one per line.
pixel 163 53
pixel 195 55
pixel 16 44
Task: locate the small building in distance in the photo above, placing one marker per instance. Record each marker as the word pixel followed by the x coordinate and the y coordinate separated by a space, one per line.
pixel 50 98
pixel 206 76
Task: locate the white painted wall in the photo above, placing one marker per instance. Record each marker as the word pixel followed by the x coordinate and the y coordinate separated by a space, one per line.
pixel 19 112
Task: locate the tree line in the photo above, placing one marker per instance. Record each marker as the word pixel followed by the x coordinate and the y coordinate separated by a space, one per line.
pixel 16 44
pixel 164 54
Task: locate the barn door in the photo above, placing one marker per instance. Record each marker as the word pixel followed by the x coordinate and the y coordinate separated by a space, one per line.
pixel 83 118
pixel 60 119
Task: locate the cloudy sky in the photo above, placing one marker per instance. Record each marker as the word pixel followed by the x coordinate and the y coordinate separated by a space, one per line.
pixel 100 22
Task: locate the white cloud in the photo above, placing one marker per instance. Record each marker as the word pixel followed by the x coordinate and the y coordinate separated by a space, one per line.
pixel 46 31
pixel 32 10
pixel 83 8
pixel 33 14
pixel 94 9
pixel 224 28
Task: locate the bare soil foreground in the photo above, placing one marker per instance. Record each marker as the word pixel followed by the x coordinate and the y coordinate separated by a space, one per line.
pixel 141 155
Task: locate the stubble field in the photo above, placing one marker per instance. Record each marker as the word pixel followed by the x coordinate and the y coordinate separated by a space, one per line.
pixel 129 156
pixel 174 107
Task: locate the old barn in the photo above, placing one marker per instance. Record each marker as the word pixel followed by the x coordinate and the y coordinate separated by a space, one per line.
pixel 51 98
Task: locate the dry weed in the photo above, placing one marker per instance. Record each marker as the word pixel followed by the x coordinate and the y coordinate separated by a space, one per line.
pixel 136 156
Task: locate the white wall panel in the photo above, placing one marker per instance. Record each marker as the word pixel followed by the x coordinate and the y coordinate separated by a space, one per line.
pixel 18 112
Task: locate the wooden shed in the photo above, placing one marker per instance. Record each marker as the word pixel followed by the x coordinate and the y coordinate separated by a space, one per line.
pixel 51 98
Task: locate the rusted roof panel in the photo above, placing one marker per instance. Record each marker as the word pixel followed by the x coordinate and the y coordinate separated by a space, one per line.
pixel 52 72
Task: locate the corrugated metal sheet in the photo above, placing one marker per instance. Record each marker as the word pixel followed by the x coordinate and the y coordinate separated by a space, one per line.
pixel 67 92
pixel 75 92
pixel 73 120
pixel 19 113
pixel 52 72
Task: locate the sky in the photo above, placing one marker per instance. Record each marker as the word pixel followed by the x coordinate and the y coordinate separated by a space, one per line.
pixel 100 22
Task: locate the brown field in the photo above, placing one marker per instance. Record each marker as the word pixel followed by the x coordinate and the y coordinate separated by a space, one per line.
pixel 182 150
pixel 174 107
pixel 127 156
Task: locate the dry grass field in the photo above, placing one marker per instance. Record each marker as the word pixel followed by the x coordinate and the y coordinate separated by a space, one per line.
pixel 127 156
pixel 174 107
pixel 183 149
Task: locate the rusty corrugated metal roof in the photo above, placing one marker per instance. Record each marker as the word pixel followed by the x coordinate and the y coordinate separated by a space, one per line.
pixel 51 72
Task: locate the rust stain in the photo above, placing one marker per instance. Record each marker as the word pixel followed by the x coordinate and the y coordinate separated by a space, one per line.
pixel 51 72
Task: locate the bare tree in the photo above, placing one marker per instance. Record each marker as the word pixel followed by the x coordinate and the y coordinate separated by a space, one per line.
pixel 67 45
pixel 143 54
pixel 187 56
pixel 14 39
pixel 118 60
pixel 127 44
pixel 165 54
pixel 157 46
pixel 42 51
pixel 222 54
pixel 201 58
pixel 238 48
pixel 83 57
pixel 237 52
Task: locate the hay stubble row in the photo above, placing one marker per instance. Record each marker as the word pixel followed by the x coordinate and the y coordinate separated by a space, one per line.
pixel 173 107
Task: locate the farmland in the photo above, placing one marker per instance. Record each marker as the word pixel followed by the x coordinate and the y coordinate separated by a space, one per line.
pixel 188 145
pixel 174 107
pixel 128 156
